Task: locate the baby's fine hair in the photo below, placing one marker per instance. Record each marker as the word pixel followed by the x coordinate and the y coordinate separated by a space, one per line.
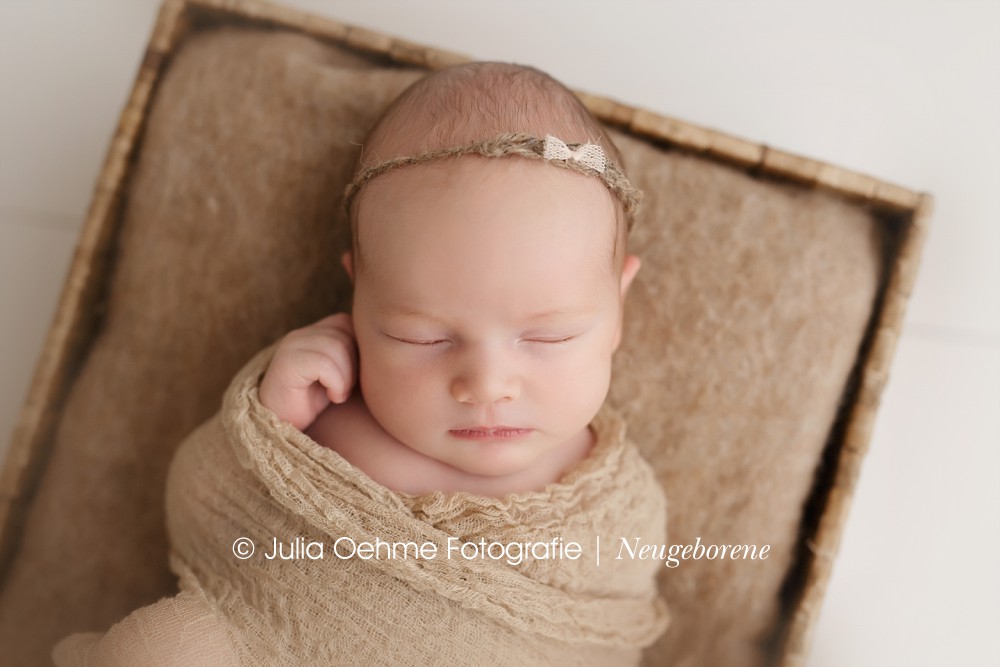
pixel 477 100
pixel 474 101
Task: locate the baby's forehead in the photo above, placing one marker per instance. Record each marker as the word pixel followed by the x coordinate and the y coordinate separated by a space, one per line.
pixel 500 214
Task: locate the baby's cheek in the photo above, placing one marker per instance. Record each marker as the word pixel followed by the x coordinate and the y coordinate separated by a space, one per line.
pixel 587 374
pixel 588 360
pixel 395 373
pixel 402 397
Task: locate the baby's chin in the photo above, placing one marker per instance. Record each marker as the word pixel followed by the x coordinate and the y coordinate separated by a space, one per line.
pixel 494 459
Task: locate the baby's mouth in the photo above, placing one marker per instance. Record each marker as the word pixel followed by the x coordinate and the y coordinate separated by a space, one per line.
pixel 495 433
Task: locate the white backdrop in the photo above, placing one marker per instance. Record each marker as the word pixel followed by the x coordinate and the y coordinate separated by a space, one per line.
pixel 905 91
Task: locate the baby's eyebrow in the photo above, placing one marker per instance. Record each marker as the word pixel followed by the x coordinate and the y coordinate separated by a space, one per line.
pixel 557 311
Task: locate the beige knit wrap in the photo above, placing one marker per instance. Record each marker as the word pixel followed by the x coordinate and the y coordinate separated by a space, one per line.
pixel 246 474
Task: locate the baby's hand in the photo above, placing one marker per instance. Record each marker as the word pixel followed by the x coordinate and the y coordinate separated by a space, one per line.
pixel 311 367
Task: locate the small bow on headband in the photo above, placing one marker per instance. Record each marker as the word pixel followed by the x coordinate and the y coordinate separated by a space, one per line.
pixel 589 155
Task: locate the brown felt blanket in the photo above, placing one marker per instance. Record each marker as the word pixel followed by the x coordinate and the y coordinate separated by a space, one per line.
pixel 245 474
pixel 741 330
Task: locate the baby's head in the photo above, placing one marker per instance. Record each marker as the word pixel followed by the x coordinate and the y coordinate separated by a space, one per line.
pixel 488 291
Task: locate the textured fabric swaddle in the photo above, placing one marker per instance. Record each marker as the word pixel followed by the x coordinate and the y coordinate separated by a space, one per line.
pixel 246 474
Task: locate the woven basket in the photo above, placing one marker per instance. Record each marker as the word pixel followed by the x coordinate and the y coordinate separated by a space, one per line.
pixel 903 212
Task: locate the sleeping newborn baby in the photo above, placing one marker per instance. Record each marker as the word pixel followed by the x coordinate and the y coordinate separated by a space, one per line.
pixel 488 298
pixel 436 470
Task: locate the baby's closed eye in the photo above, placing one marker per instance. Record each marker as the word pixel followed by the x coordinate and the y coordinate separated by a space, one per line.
pixel 548 340
pixel 418 342
pixel 563 339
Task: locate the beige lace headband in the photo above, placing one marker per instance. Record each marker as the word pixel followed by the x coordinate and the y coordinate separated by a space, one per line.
pixel 584 158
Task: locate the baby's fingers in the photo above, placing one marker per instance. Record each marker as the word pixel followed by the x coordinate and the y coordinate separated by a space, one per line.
pixel 341 323
pixel 337 371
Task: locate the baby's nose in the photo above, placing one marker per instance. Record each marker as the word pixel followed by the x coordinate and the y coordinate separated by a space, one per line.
pixel 485 380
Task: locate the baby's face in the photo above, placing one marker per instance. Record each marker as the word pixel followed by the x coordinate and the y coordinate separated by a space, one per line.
pixel 487 298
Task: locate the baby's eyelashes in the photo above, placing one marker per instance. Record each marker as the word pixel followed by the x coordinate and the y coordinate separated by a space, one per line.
pixel 418 342
pixel 564 339
pixel 439 341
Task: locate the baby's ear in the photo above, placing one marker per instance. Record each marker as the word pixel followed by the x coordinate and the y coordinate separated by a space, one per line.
pixel 348 261
pixel 629 268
